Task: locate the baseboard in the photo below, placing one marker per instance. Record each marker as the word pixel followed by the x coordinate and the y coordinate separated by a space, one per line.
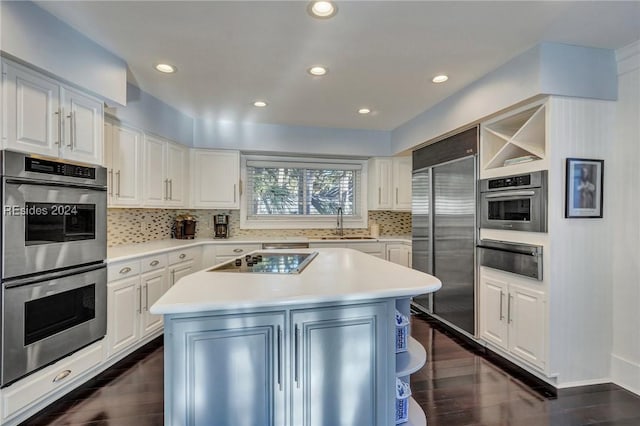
pixel 625 373
pixel 590 382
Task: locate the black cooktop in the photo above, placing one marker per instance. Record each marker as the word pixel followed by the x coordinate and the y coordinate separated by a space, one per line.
pixel 267 263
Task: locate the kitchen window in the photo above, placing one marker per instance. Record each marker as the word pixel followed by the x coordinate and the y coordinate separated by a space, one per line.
pixel 293 192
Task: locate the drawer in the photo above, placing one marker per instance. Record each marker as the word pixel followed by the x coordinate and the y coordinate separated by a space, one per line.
pixel 153 262
pixel 121 270
pixel 236 249
pixel 51 378
pixel 184 255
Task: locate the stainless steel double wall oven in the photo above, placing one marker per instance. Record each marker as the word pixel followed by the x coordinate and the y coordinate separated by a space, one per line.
pixel 53 251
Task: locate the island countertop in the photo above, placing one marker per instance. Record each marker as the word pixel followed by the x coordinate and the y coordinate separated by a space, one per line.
pixel 335 275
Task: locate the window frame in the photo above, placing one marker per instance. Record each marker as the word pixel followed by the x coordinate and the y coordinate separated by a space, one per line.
pixel 304 221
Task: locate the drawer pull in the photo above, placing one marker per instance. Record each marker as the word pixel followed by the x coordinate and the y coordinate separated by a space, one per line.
pixel 238 250
pixel 154 263
pixel 125 270
pixel 62 375
pixel 182 256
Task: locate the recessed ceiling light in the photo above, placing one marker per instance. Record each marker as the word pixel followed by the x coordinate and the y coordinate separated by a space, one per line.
pixel 440 78
pixel 322 9
pixel 260 104
pixel 364 111
pixel 166 68
pixel 317 70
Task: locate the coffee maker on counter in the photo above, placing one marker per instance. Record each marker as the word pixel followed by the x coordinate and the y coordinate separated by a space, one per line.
pixel 184 227
pixel 221 226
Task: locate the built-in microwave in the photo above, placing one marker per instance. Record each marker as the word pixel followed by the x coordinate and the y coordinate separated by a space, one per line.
pixel 517 202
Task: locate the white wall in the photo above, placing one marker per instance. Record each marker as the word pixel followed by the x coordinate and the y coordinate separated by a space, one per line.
pixel 37 38
pixel 149 113
pixel 548 68
pixel 625 208
pixel 259 137
pixel 580 268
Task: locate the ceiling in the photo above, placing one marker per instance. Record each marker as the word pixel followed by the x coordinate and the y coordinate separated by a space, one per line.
pixel 381 54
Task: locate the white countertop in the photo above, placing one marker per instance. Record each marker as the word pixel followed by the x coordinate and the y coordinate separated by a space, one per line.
pixel 129 251
pixel 335 275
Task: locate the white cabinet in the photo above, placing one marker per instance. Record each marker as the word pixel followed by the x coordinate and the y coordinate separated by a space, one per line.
pixel 131 289
pixel 183 263
pixel 45 117
pixel 512 315
pixel 400 254
pixel 389 183
pixel 216 179
pixel 165 171
pixel 123 159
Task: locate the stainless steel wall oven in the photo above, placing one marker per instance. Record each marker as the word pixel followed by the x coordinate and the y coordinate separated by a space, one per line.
pixel 53 250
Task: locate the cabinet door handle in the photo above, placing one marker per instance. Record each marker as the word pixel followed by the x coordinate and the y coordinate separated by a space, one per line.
pixel 501 297
pixel 166 189
pixel 238 250
pixel 74 124
pixel 509 308
pixel 154 263
pixel 146 297
pixel 396 195
pixel 62 375
pixel 379 195
pixel 59 114
pixel 70 117
pixel 125 270
pixel 297 356
pixel 118 184
pixel 409 259
pixel 280 357
pixel 173 277
pixel 139 300
pixel 235 186
pixel 111 182
pixel 182 256
pixel 171 189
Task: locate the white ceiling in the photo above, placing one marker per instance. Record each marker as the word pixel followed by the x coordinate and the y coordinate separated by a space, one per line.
pixel 380 54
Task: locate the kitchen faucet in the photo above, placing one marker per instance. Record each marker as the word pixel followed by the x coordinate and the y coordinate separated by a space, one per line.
pixel 339 222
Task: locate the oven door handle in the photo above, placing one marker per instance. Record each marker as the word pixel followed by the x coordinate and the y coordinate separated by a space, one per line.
pixel 14 181
pixel 51 276
pixel 506 194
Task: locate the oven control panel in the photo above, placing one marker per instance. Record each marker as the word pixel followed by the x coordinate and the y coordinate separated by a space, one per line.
pixel 39 165
pixel 511 181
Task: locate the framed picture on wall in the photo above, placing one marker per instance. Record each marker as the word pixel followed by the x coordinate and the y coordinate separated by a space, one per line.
pixel 584 188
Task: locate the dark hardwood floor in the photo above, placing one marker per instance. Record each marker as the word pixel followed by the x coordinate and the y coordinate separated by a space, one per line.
pixel 457 386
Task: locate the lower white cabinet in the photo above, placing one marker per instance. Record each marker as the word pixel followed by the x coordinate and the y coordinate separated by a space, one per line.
pixel 129 300
pixel 183 263
pixel 254 360
pixel 373 248
pixel 513 315
pixel 400 254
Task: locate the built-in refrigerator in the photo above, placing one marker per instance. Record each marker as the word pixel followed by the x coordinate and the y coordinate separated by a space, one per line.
pixel 444 226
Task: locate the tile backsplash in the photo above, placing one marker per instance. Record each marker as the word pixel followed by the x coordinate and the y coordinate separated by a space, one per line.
pixel 129 226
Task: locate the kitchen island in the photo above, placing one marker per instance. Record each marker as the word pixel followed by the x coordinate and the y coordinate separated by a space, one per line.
pixel 316 347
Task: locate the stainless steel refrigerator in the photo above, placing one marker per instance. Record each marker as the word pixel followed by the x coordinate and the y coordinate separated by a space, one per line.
pixel 445 227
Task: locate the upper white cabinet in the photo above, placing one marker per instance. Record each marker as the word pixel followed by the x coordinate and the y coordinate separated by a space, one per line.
pixel 123 159
pixel 216 179
pixel 165 168
pixel 45 117
pixel 390 183
pixel 514 142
